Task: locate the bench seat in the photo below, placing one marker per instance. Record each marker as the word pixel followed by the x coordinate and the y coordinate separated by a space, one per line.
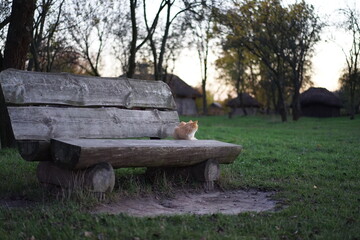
pixel 83 153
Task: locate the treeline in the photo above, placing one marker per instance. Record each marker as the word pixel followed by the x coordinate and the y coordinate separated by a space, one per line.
pixel 265 46
pixel 76 35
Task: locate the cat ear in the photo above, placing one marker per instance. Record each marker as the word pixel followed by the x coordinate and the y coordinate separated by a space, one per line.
pixel 190 121
pixel 196 121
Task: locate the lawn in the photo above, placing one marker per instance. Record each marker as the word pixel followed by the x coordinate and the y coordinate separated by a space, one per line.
pixel 312 165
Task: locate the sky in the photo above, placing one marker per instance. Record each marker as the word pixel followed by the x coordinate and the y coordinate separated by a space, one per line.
pixel 328 60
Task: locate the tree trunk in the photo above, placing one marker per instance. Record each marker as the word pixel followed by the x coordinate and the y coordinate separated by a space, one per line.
pixel 273 98
pixel 203 86
pixel 15 53
pixel 296 106
pixel 296 114
pixel 158 66
pixel 154 53
pixel 352 84
pixel 240 95
pixel 242 105
pixel 282 105
pixel 352 105
pixel 19 34
pixel 131 63
pixel 1 61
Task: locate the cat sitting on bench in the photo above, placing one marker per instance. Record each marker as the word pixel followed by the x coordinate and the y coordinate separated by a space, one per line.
pixel 186 130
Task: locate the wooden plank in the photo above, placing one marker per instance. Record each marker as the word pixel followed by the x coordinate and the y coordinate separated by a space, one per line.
pixel 37 88
pixel 82 153
pixel 43 123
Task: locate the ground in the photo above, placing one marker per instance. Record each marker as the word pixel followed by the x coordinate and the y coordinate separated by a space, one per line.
pixel 181 202
pixel 190 202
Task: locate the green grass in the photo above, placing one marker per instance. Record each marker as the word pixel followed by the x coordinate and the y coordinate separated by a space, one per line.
pixel 313 165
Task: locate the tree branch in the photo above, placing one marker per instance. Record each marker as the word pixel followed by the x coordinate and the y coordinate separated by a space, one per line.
pixel 5 22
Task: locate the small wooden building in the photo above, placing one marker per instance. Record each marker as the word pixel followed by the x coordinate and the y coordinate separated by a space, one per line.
pixel 320 102
pixel 243 103
pixel 216 109
pixel 184 95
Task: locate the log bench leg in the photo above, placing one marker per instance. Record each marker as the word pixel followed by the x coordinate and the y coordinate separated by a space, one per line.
pixel 98 179
pixel 206 172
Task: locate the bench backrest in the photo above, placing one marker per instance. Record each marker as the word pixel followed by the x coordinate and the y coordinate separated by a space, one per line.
pixel 42 106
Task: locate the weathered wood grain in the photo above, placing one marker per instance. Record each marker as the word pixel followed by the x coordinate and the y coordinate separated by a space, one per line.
pixel 82 153
pixel 100 178
pixel 43 123
pixel 37 88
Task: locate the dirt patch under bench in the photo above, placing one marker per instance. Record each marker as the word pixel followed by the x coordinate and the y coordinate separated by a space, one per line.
pixel 183 202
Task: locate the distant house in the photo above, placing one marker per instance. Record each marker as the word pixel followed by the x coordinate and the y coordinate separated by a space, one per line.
pixel 244 102
pixel 216 108
pixel 319 102
pixel 184 95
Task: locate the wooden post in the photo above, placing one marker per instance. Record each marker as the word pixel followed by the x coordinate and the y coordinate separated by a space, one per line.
pixel 206 172
pixel 98 179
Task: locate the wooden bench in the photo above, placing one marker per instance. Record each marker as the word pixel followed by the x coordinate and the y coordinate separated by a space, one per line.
pixel 81 127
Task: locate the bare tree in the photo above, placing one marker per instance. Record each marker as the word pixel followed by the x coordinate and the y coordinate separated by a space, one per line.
pixel 351 81
pixel 47 40
pixel 202 29
pixel 88 25
pixel 134 46
pixel 175 44
pixel 120 35
pixel 5 9
pixel 158 45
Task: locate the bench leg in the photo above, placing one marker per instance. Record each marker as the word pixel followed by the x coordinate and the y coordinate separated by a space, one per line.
pixel 98 179
pixel 206 172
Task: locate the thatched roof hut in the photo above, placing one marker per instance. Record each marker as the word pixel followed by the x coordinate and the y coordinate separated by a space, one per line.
pixel 216 108
pixel 247 103
pixel 216 105
pixel 320 102
pixel 183 93
pixel 180 88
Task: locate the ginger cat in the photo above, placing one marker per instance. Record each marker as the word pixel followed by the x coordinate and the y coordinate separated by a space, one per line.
pixel 186 131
